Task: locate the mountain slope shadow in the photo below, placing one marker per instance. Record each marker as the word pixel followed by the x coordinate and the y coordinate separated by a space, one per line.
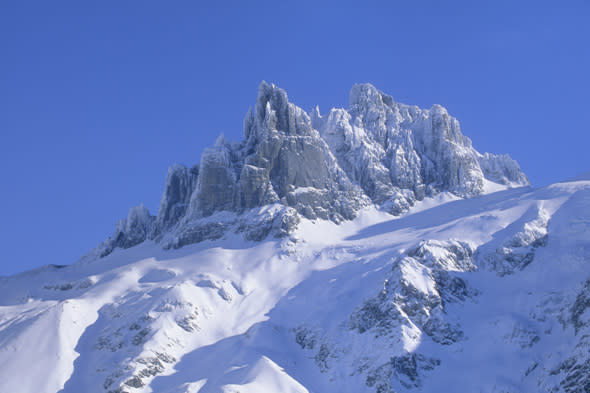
pixel 445 213
pixel 110 346
pixel 230 360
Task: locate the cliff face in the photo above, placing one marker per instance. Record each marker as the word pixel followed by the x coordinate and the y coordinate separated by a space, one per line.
pixel 282 159
pixel 399 153
pixel 319 167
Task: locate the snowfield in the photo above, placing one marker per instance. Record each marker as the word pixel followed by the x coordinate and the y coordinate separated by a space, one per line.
pixel 486 294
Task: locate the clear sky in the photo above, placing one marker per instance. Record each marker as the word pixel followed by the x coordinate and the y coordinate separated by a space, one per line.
pixel 97 99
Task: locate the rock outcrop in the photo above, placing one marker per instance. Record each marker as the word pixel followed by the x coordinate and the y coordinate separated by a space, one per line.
pixel 399 154
pixel 180 184
pixel 130 231
pixel 319 167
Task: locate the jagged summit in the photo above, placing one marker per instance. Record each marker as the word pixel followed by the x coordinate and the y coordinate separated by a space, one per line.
pixel 316 166
pixel 365 94
pixel 353 300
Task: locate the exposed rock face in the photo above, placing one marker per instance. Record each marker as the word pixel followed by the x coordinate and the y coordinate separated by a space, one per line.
pixel 400 153
pixel 575 370
pixel 515 246
pixel 407 369
pixel 403 302
pixel 424 281
pixel 283 159
pixel 501 169
pixel 321 167
pixel 130 231
pixel 180 184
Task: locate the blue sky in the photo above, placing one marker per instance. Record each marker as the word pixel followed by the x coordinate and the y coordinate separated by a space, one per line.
pixel 97 99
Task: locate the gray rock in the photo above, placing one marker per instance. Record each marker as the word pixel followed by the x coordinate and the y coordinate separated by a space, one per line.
pixel 502 169
pixel 514 247
pixel 407 369
pixel 217 187
pixel 283 159
pixel 581 305
pixel 402 302
pixel 180 184
pixel 130 231
pixel 323 167
pixel 387 147
pixel 196 233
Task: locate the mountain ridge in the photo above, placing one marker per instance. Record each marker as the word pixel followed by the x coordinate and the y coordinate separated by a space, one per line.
pixel 318 167
pixel 371 249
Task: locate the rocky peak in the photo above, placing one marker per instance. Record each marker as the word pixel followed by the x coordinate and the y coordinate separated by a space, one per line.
pixel 366 95
pixel 320 167
pixel 129 231
pixel 180 183
pixel 272 108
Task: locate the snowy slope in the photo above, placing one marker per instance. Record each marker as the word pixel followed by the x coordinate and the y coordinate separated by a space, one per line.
pixel 369 249
pixel 487 294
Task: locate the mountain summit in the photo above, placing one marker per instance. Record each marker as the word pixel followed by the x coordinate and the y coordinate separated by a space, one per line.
pixel 376 152
pixel 366 250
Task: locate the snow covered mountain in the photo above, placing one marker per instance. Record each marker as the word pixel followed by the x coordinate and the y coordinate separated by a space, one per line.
pixel 292 165
pixel 364 250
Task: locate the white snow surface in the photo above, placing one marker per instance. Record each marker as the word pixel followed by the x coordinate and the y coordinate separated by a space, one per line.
pixel 350 307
